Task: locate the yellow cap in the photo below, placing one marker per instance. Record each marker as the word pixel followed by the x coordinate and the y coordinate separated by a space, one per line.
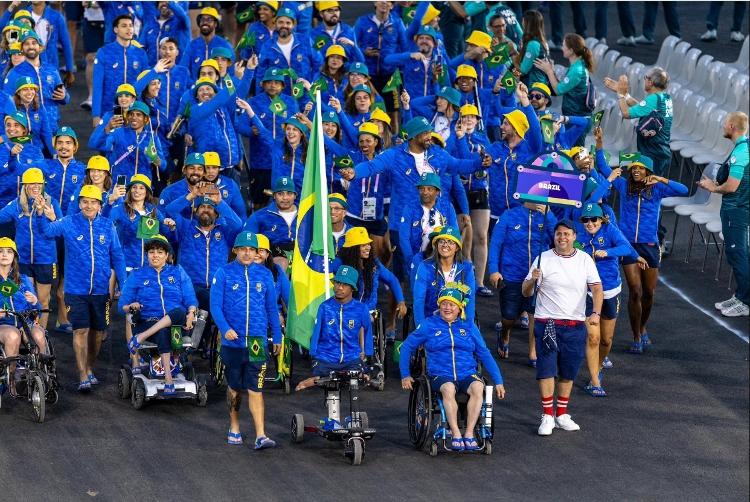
pixel 143 74
pixel 11 27
pixel 210 11
pixel 273 4
pixel 140 179
pixel 7 242
pixel 437 139
pixel 15 46
pixel 336 50
pixel 469 110
pixel 98 163
pixel 480 39
pixel 379 114
pixel 211 159
pixel 356 236
pixel 212 63
pixel 519 122
pixel 22 13
pixel 369 128
pixel 90 191
pixel 125 89
pixel 575 151
pixel 431 14
pixel 263 242
pixel 32 175
pixel 541 86
pixel 326 5
pixel 465 70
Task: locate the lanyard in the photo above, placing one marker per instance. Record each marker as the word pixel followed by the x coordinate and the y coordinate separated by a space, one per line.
pixel 369 180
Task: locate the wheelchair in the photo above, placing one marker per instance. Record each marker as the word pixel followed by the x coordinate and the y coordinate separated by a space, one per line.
pixel 149 384
pixel 427 420
pixel 36 373
pixel 282 364
pixel 379 347
pixel 353 430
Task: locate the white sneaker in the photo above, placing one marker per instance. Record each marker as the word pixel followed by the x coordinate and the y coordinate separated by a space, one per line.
pixel 546 426
pixel 603 41
pixel 629 41
pixel 641 39
pixel 86 104
pixel 709 36
pixel 739 309
pixel 726 303
pixel 566 423
pixel 736 36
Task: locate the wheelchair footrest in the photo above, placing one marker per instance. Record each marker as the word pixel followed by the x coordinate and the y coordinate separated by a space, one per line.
pixel 148 345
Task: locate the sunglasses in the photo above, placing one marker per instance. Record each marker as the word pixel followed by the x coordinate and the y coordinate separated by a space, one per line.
pixel 590 220
pixel 536 95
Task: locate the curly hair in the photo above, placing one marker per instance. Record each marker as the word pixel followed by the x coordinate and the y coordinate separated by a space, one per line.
pixel 366 267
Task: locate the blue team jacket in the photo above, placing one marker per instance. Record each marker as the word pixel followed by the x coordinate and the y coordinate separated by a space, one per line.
pixel 335 336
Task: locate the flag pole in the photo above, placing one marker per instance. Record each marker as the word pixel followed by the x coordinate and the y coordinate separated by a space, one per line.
pixel 323 188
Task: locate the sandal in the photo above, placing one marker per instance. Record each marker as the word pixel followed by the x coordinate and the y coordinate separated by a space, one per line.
pixel 457 444
pixel 169 389
pixel 635 348
pixel 503 351
pixel 133 345
pixel 470 444
pixel 595 391
pixel 93 380
pixel 234 438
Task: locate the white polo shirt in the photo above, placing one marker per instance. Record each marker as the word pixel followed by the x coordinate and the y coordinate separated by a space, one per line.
pixel 562 288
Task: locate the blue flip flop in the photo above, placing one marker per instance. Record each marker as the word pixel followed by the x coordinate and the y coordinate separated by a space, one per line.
pixel 457 444
pixel 470 444
pixel 234 438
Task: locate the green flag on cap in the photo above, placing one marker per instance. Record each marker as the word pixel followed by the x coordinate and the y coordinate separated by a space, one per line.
pixel 320 42
pixel 394 82
pixel 344 162
pixel 277 106
pixel 509 81
pixel 298 90
pixel 548 131
pixel 629 158
pixel 147 228
pixel 597 118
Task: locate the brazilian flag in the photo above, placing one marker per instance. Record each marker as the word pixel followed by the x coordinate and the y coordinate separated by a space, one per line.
pixel 407 15
pixel 277 106
pixel 245 16
pixel 499 56
pixel 151 152
pixel 628 158
pixel 21 140
pixel 289 72
pixel 319 85
pixel 509 81
pixel 397 351
pixel 394 82
pixel 548 131
pixel 229 83
pixel 248 40
pixel 298 90
pixel 8 288
pixel 320 42
pixel 597 118
pixel 256 350
pixel 343 162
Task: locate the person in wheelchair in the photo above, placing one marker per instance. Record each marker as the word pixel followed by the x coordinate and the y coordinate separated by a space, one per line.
pixel 159 295
pixel 342 336
pixel 453 344
pixel 18 299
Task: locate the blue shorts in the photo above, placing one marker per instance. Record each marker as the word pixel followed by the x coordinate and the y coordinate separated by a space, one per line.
pixel 462 385
pixel 43 274
pixel 512 301
pixel 163 337
pixel 610 307
pixel 240 372
pixel 323 368
pixel 566 360
pixel 648 250
pixel 88 311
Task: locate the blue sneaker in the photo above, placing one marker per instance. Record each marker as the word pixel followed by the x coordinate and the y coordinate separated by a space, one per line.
pixel 485 291
pixel 607 364
pixel 84 386
pixel 635 348
pixel 234 438
pixel 93 380
pixel 645 340
pixel 264 442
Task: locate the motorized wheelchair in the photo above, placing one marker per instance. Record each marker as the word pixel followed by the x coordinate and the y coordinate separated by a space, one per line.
pixel 427 420
pixel 149 383
pixel 354 429
pixel 379 347
pixel 35 376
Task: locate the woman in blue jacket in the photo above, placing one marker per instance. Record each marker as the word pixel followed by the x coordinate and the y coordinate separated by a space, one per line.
pixel 280 279
pixel 23 299
pixel 641 192
pixel 163 296
pixel 445 266
pixel 604 242
pixel 37 252
pixel 26 100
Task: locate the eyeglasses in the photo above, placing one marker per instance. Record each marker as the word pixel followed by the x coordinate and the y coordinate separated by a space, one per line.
pixel 589 220
pixel 446 242
pixel 536 95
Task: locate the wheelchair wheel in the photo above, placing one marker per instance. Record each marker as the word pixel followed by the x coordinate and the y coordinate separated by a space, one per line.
pixel 287 386
pixel 37 396
pixel 380 346
pixel 52 396
pixel 138 395
pixel 420 412
pixel 217 366
pixel 488 447
pixel 298 428
pixel 433 449
pixel 124 381
pixel 357 451
pixel 202 397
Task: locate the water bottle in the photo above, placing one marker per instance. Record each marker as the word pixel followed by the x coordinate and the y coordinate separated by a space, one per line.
pixel 199 326
pixel 332 403
pixel 487 406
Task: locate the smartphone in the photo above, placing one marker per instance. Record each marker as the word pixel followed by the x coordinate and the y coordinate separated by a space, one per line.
pixel 60 86
pixel 117 110
pixel 121 180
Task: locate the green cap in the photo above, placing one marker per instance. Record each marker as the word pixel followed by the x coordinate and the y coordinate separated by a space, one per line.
pixel 284 184
pixel 246 240
pixel 429 180
pixel 347 275
pixel 592 210
pixel 417 126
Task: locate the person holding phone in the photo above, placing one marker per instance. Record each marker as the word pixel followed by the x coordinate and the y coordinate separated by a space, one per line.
pixel 98 174
pixel 124 99
pixel 170 20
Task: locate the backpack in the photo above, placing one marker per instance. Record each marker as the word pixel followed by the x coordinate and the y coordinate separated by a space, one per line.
pixel 590 102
